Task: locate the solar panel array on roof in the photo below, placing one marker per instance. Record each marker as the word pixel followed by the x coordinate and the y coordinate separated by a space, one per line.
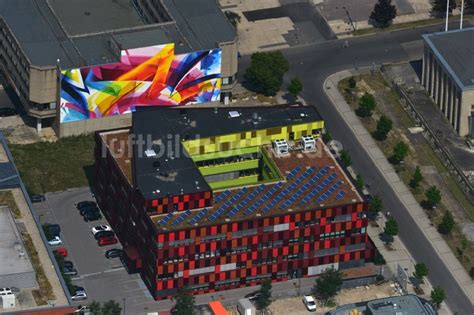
pixel 293 185
pixel 340 195
pixel 228 203
pixel 199 216
pixel 329 192
pixel 222 196
pixel 263 198
pixel 166 219
pixel 182 217
pixel 320 187
pixel 293 172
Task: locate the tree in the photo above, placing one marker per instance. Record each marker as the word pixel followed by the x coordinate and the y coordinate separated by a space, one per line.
pixel 295 87
pixel 67 280
pixel 379 259
pixel 328 284
pixel 421 270
pixel 471 272
pixel 439 7
pixel 400 152
pixel 375 207
pixel 359 182
pixel 416 179
pixel 433 197
pixel 264 300
pixel 384 13
pixel 327 137
pixel 447 223
pixel 437 296
pixel 184 302
pixel 234 18
pixel 384 126
pixel 110 307
pixel 469 5
pixel 391 229
pixel 366 105
pixel 464 246
pixel 265 74
pixel 346 159
pixel 352 83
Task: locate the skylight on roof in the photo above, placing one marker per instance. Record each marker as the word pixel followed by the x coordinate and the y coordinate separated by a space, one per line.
pixel 234 114
pixel 150 153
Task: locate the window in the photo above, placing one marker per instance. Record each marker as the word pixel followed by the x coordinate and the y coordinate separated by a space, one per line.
pixel 225 80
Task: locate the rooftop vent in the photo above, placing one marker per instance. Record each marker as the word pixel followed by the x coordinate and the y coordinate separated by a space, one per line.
pixel 280 146
pixel 150 153
pixel 308 142
pixel 233 114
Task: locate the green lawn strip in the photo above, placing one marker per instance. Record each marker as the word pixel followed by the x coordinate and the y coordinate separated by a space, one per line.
pixel 55 166
pixel 7 199
pixel 424 156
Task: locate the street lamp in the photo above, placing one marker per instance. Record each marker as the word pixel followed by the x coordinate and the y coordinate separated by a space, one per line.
pixel 447 13
pixel 462 14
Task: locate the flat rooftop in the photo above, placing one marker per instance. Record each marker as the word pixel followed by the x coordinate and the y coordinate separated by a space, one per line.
pixel 455 50
pixel 395 305
pixel 311 180
pixel 78 31
pixel 11 246
pixel 163 129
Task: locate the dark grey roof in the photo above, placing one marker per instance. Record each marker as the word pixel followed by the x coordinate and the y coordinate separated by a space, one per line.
pixel 8 176
pixel 170 126
pixel 78 31
pixel 455 50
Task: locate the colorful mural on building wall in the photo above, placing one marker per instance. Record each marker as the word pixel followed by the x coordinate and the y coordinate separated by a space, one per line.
pixel 149 76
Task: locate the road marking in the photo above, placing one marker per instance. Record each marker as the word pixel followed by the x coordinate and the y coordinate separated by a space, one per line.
pixel 97 273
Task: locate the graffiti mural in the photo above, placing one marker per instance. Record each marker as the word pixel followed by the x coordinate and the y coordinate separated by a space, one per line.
pixel 149 76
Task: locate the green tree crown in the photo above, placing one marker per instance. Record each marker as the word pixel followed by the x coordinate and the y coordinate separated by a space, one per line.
pixel 384 13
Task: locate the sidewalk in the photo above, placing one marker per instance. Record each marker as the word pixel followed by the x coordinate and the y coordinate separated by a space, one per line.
pixel 404 194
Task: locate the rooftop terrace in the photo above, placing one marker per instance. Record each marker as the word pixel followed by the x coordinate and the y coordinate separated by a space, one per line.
pixel 311 180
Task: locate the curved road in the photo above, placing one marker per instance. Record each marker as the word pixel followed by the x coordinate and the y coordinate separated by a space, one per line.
pixel 313 64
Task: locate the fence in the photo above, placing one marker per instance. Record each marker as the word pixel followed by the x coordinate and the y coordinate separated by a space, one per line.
pixel 429 134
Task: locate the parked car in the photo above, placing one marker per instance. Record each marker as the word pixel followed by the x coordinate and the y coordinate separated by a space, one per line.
pixel 100 228
pixel 68 264
pixel 61 251
pixel 85 210
pixel 55 241
pixel 37 198
pixel 81 295
pixel 70 272
pixel 253 296
pixel 103 234
pixel 8 111
pixel 113 253
pixel 54 229
pixel 310 303
pixel 92 216
pixel 86 204
pixel 107 240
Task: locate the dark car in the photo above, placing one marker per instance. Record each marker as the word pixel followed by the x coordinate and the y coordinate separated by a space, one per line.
pixel 92 216
pixel 7 111
pixel 79 289
pixel 67 264
pixel 253 296
pixel 86 204
pixel 37 198
pixel 83 211
pixel 113 253
pixel 104 234
pixel 51 230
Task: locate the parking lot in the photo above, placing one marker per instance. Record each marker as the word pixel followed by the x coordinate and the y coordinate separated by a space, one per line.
pixel 102 278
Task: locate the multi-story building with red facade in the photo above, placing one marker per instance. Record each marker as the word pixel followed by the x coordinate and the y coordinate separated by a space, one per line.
pixel 216 199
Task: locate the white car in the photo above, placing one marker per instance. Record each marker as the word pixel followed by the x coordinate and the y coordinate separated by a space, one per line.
pixel 80 295
pixel 100 228
pixel 55 241
pixel 310 303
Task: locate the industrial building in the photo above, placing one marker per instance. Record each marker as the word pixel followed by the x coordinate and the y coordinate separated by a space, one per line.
pixel 82 65
pixel 15 266
pixel 217 199
pixel 448 76
pixel 394 305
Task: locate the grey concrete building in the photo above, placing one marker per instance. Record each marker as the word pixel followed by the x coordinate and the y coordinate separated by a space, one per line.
pixel 15 267
pixel 396 305
pixel 448 76
pixel 37 37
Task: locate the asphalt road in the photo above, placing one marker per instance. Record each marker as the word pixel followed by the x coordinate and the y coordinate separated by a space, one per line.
pixel 313 64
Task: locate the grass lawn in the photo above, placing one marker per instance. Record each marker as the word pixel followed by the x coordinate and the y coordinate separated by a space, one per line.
pixel 55 166
pixel 7 199
pixel 408 25
pixel 421 154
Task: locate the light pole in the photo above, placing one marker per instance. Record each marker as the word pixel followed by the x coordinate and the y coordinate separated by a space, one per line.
pixel 447 13
pixel 462 14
